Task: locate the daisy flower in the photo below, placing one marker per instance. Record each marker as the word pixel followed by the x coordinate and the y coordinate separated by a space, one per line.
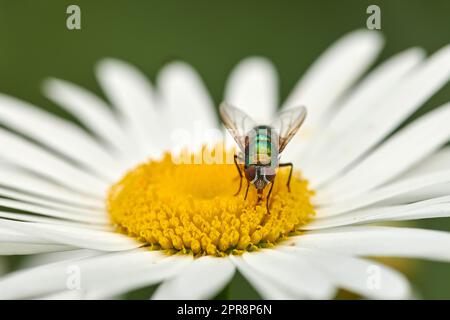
pixel 106 210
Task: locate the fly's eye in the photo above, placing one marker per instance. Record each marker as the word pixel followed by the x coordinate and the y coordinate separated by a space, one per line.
pixel 250 173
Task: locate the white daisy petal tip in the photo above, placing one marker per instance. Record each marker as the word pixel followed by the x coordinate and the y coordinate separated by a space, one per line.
pixel 253 87
pixel 186 105
pixel 109 63
pixel 49 83
pixel 375 37
pixel 253 64
pixel 365 39
pixel 179 73
pixel 330 76
pixel 364 277
pixel 176 67
pixel 418 53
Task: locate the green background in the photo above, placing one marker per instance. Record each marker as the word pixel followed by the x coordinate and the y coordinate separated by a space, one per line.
pixel 212 36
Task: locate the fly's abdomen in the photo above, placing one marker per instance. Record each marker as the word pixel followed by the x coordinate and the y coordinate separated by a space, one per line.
pixel 261 147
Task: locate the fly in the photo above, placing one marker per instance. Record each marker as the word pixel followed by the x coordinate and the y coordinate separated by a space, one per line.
pixel 261 145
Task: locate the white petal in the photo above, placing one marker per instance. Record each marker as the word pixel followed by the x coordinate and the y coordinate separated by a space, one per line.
pixel 379 241
pixel 140 275
pixel 22 248
pixel 53 257
pixel 19 237
pixel 268 288
pixel 91 111
pixel 333 73
pixel 25 181
pixel 56 213
pixel 413 211
pixel 95 274
pixel 360 100
pixel 364 277
pixel 407 147
pixel 78 237
pixel 431 192
pixel 31 157
pixel 384 194
pixel 253 87
pixel 387 115
pixel 202 279
pixel 132 94
pixel 294 275
pixel 25 217
pixel 17 243
pixel 15 195
pixel 63 295
pixel 436 162
pixel 58 134
pixel 187 106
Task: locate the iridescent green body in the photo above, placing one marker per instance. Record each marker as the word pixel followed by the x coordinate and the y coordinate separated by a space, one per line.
pixel 261 147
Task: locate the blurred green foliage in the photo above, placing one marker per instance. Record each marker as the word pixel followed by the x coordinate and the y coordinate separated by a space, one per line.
pixel 212 36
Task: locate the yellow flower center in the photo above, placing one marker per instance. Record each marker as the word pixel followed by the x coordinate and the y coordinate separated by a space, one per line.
pixel 192 208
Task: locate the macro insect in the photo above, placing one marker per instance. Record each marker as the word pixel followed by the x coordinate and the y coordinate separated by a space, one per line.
pixel 261 145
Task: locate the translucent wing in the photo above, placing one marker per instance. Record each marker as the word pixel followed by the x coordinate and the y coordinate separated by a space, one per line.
pixel 237 123
pixel 287 125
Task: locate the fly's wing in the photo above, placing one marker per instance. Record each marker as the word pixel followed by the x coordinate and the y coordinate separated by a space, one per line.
pixel 237 123
pixel 287 125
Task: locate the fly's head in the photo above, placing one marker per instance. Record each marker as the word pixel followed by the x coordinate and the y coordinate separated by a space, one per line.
pixel 260 176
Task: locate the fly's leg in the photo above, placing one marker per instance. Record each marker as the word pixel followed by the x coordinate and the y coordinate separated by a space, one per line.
pixel 240 175
pixel 268 197
pixel 289 164
pixel 246 191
